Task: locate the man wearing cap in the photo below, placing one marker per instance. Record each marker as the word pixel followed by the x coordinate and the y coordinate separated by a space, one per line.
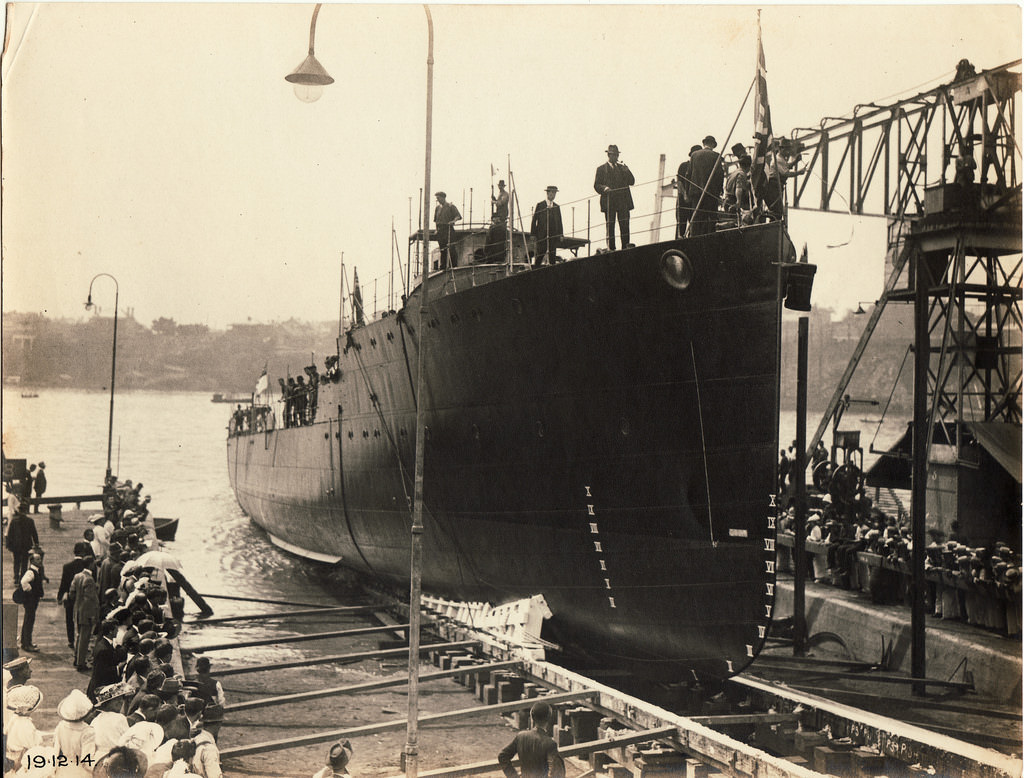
pixel 708 176
pixel 445 216
pixel 338 757
pixel 39 485
pixel 537 751
pixel 684 205
pixel 612 181
pixel 500 202
pixel 546 227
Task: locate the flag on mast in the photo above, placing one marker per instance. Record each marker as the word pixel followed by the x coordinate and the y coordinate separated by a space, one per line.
pixel 261 382
pixel 762 121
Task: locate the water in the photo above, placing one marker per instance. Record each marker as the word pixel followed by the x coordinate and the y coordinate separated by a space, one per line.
pixel 174 444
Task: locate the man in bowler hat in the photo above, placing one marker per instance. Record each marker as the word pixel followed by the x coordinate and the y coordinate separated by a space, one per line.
pixel 708 176
pixel 612 181
pixel 546 227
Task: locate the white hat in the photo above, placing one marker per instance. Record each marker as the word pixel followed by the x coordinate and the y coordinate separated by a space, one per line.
pixel 144 736
pixel 75 706
pixel 24 699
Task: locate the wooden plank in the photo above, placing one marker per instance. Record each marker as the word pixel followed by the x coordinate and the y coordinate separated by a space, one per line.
pixel 578 749
pixel 398 724
pixel 730 720
pixel 356 688
pixel 295 638
pixel 337 611
pixel 332 658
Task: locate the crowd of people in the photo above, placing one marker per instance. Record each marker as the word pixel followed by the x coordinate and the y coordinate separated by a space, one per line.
pixel 19 490
pixel 138 714
pixel 980 585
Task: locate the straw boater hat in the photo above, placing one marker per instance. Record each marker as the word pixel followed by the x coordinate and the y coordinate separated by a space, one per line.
pixel 24 699
pixel 113 692
pixel 75 706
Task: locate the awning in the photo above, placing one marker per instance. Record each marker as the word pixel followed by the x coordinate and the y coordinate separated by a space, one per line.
pixel 1002 440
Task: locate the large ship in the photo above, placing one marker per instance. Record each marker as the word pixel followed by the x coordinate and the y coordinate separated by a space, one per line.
pixel 601 431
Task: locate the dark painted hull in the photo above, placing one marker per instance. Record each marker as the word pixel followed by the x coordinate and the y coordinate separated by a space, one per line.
pixel 578 419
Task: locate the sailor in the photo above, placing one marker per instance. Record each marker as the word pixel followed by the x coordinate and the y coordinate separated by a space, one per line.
pixel 612 181
pixel 546 227
pixel 445 216
pixel 500 202
pixel 708 176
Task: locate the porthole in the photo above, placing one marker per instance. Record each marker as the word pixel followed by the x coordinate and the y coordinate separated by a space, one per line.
pixel 676 269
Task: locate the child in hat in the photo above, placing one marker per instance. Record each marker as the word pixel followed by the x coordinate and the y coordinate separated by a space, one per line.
pixel 72 737
pixel 20 733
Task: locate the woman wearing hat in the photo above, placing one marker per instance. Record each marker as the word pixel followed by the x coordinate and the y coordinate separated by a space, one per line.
pixel 110 724
pixel 20 733
pixel 337 761
pixel 72 737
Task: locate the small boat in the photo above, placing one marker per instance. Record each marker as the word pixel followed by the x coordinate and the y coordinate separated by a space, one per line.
pixel 219 397
pixel 29 395
pixel 165 528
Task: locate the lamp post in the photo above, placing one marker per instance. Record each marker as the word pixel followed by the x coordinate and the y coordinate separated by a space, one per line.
pixel 309 78
pixel 113 360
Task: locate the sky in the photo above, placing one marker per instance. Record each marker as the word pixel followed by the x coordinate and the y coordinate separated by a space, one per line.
pixel 159 142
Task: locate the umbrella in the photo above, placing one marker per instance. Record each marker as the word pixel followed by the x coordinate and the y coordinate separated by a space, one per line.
pixel 158 559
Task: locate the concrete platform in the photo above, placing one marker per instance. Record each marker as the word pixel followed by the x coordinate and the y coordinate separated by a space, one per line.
pixel 869 630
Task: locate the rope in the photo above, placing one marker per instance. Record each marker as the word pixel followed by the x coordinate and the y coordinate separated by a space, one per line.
pixel 703 444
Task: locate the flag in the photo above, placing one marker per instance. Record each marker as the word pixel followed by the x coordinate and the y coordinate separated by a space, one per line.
pixel 357 299
pixel 261 382
pixel 762 121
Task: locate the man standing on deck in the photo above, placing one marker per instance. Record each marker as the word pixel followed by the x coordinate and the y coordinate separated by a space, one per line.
pixel 537 751
pixel 612 181
pixel 684 207
pixel 708 176
pixel 546 227
pixel 445 216
pixel 500 202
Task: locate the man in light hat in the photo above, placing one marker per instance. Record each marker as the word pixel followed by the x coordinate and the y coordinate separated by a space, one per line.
pixel 546 227
pixel 612 181
pixel 445 216
pixel 708 176
pixel 338 757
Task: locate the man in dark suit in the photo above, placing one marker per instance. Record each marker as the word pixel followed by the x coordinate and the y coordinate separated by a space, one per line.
pixel 546 227
pixel 684 208
pixel 707 174
pixel 104 660
pixel 612 181
pixel 69 571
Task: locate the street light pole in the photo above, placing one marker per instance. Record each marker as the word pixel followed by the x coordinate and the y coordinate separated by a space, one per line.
pixel 309 79
pixel 113 361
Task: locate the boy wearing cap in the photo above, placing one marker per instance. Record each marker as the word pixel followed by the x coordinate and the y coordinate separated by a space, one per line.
pixel 546 227
pixel 537 751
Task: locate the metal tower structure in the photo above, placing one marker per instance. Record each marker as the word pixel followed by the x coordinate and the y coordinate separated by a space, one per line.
pixel 943 167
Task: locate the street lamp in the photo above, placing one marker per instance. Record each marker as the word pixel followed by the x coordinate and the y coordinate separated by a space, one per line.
pixel 113 360
pixel 311 77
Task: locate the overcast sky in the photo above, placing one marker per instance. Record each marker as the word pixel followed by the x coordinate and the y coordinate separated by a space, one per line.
pixel 161 144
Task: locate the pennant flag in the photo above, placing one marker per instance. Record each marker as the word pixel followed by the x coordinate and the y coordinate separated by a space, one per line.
pixel 762 121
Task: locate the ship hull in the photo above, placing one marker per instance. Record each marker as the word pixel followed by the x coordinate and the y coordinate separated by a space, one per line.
pixel 593 434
